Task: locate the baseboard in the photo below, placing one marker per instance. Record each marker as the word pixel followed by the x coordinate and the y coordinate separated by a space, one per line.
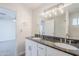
pixel 21 54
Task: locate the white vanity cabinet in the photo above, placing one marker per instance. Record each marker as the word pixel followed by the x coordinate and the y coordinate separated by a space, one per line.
pixel 31 48
pixel 55 52
pixel 37 49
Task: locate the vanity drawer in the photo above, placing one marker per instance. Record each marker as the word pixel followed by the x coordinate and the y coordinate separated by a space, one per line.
pixel 55 52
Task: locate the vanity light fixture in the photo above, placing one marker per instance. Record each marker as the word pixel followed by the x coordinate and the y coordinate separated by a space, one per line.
pixel 46 15
pixel 61 9
pixel 57 10
pixel 49 13
pixel 53 10
pixel 42 14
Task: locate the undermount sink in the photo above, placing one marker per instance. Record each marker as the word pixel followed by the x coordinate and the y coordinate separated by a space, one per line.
pixel 36 38
pixel 66 46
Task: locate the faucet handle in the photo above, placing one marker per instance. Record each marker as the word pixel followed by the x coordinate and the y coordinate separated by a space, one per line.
pixel 67 35
pixel 61 40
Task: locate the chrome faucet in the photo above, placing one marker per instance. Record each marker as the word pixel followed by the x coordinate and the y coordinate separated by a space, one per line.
pixel 70 41
pixel 61 41
pixel 65 41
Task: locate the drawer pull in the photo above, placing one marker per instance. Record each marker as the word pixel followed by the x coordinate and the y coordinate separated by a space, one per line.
pixel 30 48
pixel 40 47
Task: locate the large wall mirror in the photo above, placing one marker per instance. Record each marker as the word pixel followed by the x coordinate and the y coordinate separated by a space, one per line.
pixel 64 25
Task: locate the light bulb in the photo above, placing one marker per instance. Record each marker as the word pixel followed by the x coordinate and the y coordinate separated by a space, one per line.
pixel 50 15
pixel 43 14
pixel 46 15
pixel 47 12
pixel 53 10
pixel 55 13
pixel 61 10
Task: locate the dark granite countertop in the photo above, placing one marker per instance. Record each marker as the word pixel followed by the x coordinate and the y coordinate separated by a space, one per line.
pixel 52 45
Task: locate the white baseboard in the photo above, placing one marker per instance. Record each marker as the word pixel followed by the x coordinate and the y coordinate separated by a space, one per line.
pixel 21 53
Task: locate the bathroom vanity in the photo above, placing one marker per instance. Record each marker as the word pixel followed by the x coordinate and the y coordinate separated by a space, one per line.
pixel 42 47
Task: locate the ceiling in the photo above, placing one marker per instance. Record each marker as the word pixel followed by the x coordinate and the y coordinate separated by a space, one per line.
pixel 36 5
pixel 33 5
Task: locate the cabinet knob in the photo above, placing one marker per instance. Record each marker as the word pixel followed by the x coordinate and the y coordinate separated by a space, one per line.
pixel 40 47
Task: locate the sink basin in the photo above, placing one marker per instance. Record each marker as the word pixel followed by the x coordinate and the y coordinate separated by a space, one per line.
pixel 36 38
pixel 66 46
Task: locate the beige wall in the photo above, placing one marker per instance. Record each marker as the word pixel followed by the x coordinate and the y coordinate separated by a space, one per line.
pixel 24 21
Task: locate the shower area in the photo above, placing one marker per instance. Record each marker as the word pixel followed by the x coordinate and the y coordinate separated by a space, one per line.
pixel 7 32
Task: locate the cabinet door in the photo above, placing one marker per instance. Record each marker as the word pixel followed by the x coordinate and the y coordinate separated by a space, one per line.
pixel 31 48
pixel 28 47
pixel 55 52
pixel 41 50
pixel 34 48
